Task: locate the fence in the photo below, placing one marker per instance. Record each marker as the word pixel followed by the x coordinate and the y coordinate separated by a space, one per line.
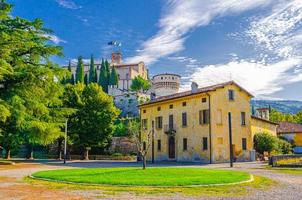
pixel 286 160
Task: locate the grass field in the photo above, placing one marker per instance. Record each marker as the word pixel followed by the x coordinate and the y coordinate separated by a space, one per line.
pixel 149 177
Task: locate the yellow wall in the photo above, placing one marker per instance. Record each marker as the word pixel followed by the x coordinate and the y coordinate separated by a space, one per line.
pixel 194 132
pixel 260 126
pixel 298 139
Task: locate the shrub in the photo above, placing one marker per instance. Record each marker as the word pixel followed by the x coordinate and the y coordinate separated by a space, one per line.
pixel 284 147
pixel 264 142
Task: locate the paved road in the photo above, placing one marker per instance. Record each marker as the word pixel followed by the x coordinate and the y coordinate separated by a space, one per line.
pixel 12 187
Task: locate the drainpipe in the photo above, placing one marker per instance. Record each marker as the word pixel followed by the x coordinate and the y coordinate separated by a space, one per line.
pixel 210 127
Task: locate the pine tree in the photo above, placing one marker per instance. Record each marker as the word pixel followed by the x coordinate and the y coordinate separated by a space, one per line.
pixel 92 71
pixel 96 75
pixel 80 71
pixel 108 72
pixel 113 77
pixel 86 81
pixel 103 79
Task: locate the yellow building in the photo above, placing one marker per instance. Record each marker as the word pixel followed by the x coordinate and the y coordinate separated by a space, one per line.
pixel 260 125
pixel 194 125
pixel 293 133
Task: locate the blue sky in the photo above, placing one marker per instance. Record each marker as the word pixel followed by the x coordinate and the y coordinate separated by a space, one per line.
pixel 257 43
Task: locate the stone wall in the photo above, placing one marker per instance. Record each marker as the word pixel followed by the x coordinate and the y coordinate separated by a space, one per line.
pixel 122 145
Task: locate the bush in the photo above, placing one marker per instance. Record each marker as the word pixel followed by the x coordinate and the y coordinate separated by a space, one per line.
pixel 264 142
pixel 284 147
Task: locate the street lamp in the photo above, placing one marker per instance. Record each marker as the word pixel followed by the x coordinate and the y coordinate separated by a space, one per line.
pixel 65 142
pixel 230 139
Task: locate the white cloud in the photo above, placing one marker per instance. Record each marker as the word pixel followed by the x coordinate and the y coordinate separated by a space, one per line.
pixel 278 36
pixel 68 4
pixel 180 17
pixel 259 78
pixel 55 39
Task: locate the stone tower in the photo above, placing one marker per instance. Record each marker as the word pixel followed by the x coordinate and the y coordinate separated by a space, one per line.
pixel 165 84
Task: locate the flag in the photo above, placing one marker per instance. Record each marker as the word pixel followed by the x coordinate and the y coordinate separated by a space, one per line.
pixel 115 43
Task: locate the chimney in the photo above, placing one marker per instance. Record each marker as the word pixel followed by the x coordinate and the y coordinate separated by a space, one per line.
pixel 116 58
pixel 194 87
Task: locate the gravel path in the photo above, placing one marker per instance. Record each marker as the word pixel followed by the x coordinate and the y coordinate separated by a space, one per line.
pixel 12 187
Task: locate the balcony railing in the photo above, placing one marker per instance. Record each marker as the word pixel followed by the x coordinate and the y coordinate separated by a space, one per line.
pixel 169 129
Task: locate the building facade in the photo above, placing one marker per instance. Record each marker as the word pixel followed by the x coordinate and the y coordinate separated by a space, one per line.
pixel 165 84
pixel 194 125
pixel 292 133
pixel 261 125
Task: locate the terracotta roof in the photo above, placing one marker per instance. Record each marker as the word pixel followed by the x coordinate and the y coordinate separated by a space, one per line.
pixel 287 127
pixel 264 120
pixel 199 91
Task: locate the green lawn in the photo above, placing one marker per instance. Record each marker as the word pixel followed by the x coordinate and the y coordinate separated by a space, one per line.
pixel 149 177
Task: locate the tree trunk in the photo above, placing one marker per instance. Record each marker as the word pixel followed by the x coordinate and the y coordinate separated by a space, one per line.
pixel 144 162
pixel 30 155
pixel 86 154
pixel 60 141
pixel 7 154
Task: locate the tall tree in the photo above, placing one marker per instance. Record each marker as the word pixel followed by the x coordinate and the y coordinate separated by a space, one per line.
pixel 80 73
pixel 103 78
pixel 30 92
pixel 107 67
pixel 113 77
pixel 92 71
pixel 140 84
pixel 93 123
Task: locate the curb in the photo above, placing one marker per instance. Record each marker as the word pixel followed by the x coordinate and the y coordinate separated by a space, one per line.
pixel 150 186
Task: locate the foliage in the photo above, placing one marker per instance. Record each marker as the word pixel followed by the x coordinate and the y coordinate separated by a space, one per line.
pixel 264 142
pixel 92 71
pixel 173 176
pixel 103 79
pixel 92 124
pixel 140 84
pixel 113 77
pixel 277 116
pixel 284 147
pixel 121 128
pixel 30 92
pixel 80 74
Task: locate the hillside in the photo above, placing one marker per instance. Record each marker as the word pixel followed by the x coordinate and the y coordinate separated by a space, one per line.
pixel 285 106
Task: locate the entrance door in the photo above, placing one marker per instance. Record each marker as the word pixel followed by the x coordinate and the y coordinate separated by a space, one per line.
pixel 171 147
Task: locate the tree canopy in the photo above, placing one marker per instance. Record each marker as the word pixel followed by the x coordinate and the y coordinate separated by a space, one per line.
pixel 140 84
pixel 80 73
pixel 92 71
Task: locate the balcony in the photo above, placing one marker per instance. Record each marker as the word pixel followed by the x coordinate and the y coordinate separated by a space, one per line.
pixel 170 129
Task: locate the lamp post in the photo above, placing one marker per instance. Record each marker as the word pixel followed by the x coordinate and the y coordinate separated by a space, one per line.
pixel 230 139
pixel 152 141
pixel 65 142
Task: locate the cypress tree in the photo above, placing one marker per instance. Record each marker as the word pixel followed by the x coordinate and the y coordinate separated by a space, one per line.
pixel 108 72
pixel 68 80
pixel 103 79
pixel 96 75
pixel 80 71
pixel 72 81
pixel 92 71
pixel 113 77
pixel 86 81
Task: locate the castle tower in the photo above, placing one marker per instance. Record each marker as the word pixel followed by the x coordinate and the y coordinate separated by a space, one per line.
pixel 165 84
pixel 116 58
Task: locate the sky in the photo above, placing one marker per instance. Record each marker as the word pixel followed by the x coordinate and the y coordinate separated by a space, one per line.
pixel 257 43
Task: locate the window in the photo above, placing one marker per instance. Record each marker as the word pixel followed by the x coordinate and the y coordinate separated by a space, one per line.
pixel 204 143
pixel 171 106
pixel 158 145
pixel 171 122
pixel 243 118
pixel 159 122
pixel 184 103
pixel 144 111
pixel 185 144
pixel 144 146
pixel 184 119
pixel 219 140
pixel 243 143
pixel 231 95
pixel 145 124
pixel 158 108
pixel 219 116
pixel 203 100
pixel 204 116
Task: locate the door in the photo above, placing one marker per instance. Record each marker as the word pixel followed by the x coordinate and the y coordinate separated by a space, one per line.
pixel 171 148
